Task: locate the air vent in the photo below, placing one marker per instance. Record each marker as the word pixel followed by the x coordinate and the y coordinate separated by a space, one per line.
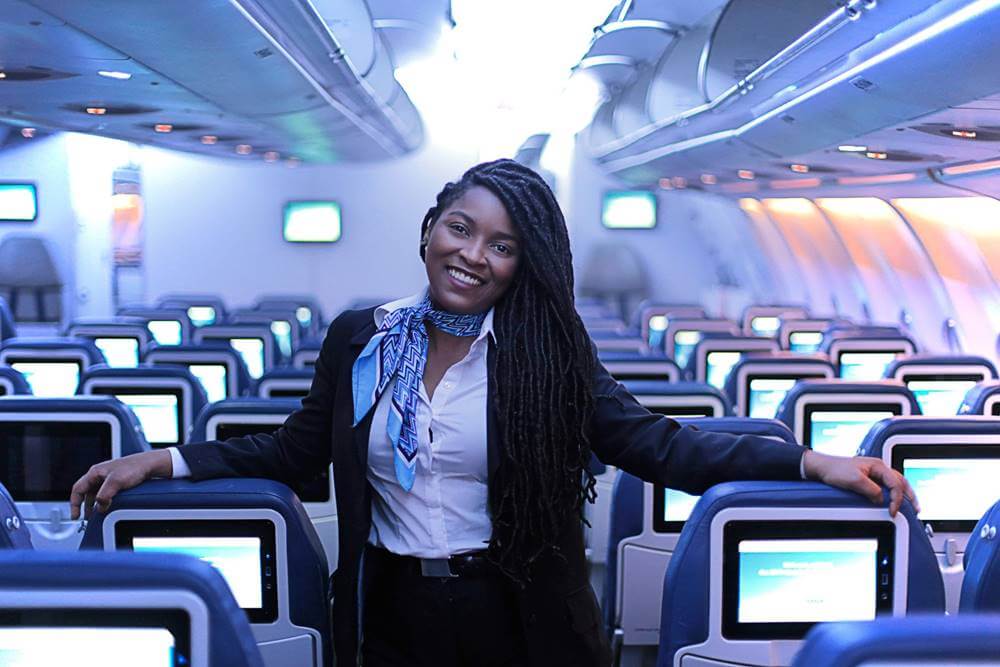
pixel 111 109
pixel 961 132
pixel 33 74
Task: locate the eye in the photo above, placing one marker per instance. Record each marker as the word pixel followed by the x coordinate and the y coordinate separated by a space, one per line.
pixel 503 248
pixel 459 228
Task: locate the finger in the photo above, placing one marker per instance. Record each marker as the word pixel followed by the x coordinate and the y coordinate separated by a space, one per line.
pixel 869 489
pixel 893 481
pixel 106 493
pixel 77 495
pixel 88 505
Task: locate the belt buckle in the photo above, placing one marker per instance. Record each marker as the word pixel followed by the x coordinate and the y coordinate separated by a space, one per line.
pixel 436 567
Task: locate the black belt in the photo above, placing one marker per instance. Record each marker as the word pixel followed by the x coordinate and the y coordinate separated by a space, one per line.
pixel 472 564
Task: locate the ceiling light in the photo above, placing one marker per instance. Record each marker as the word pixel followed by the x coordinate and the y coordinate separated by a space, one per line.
pixel 972 168
pixel 679 182
pixel 163 127
pixel 3 75
pixel 799 168
pixel 112 74
pixel 790 183
pixel 876 180
pixel 876 155
pixel 244 149
pixel 209 139
pixel 293 162
pixel 271 156
pixel 851 148
pixel 96 111
pixel 745 174
pixel 665 184
pixel 28 132
pixel 964 134
pixel 709 179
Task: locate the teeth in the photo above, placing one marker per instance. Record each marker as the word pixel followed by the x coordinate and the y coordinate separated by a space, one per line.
pixel 464 277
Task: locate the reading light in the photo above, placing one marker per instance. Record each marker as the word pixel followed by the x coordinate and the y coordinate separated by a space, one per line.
pixel 876 155
pixel 244 149
pixel 745 174
pixel 709 179
pixel 271 156
pixel 111 74
pixel 964 134
pixel 876 180
pixel 3 75
pixel 799 168
pixel 679 182
pixel 665 184
pixel 209 139
pixel 28 132
pixel 973 168
pixel 163 128
pixel 851 148
pixel 293 161
pixel 96 111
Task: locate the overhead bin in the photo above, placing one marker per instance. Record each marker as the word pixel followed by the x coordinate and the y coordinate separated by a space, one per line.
pixel 630 114
pixel 411 29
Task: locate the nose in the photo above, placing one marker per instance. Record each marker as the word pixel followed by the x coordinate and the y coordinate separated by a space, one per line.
pixel 474 253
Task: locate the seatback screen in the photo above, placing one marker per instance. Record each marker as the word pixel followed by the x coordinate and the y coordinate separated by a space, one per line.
pixel 119 352
pixel 956 483
pixel 97 637
pixel 671 508
pixel 940 395
pixel 315 491
pixel 40 460
pixel 781 577
pixel 806 342
pixel 243 551
pixel 165 332
pixel 684 344
pixel 765 394
pixel 252 351
pixel 718 365
pixel 288 393
pixel 201 316
pixel 213 380
pixel 157 409
pixel 682 411
pixel 839 429
pixel 49 378
pixel 866 366
pixel 765 325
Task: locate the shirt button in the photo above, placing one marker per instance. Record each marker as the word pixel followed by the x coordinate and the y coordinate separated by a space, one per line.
pixel 449 385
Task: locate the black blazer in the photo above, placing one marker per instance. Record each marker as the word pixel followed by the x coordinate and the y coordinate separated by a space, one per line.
pixel 559 611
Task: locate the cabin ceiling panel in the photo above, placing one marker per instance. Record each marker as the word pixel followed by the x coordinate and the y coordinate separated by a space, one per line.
pixel 351 22
pixel 674 88
pixel 676 11
pixel 644 41
pixel 411 29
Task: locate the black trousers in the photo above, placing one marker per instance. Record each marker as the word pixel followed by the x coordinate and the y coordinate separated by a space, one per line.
pixel 414 621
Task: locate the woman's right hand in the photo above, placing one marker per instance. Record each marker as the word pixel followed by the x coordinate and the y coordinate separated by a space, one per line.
pixel 100 484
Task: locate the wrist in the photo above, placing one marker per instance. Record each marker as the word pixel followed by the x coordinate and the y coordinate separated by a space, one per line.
pixel 810 464
pixel 160 464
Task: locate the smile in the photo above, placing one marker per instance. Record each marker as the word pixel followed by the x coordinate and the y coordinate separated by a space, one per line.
pixel 463 277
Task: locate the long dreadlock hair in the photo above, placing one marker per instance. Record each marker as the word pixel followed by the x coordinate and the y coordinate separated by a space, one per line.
pixel 542 383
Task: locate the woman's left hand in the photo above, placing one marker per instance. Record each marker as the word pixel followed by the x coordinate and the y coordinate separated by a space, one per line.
pixel 861 474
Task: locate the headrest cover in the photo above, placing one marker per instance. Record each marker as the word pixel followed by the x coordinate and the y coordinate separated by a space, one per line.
pixel 981 584
pixel 14 532
pixel 15 379
pixel 42 345
pixel 885 429
pixel 133 440
pixel 241 406
pixel 831 389
pixel 918 360
pixel 975 400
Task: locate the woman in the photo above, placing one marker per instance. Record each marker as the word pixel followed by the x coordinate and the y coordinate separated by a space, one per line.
pixel 480 471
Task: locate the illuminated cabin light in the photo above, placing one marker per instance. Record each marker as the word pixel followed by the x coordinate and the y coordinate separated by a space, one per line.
pixel 876 155
pixel 3 75
pixel 851 148
pixel 679 182
pixel 791 183
pixel 709 179
pixel 271 156
pixel 293 162
pixel 876 180
pixel 964 134
pixel 799 168
pixel 163 128
pixel 28 132
pixel 209 140
pixel 96 111
pixel 112 74
pixel 244 149
pixel 972 168
pixel 666 184
pixel 745 174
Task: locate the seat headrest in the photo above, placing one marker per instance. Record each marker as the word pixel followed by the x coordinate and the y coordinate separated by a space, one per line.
pixel 7 327
pixel 632 355
pixel 231 641
pixel 688 576
pixel 663 388
pixel 975 401
pixel 241 406
pixel 288 373
pixel 775 363
pixel 769 428
pixel 981 583
pixel 189 353
pixel 835 388
pixel 14 380
pixel 919 360
pixel 133 440
pixel 882 431
pixel 85 348
pixel 14 533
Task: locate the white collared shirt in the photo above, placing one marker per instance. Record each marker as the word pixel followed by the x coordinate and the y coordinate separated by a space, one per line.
pixel 445 512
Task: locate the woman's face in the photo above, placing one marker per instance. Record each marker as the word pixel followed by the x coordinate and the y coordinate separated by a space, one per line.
pixel 472 253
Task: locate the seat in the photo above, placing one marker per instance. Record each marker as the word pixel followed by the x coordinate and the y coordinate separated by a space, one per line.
pixel 284 325
pixel 679 399
pixel 46 444
pixel 165 400
pixel 641 542
pixel 29 279
pixel 306 308
pixel 121 340
pixel 134 592
pixel 639 366
pixel 651 319
pixel 626 340
pixel 726 600
pixel 51 366
pixel 833 416
pixel 915 640
pixel 766 320
pixel 864 353
pixel 682 335
pixel 201 309
pixel 940 382
pixel 7 327
pixel 287 602
pixel 248 416
pixel 756 386
pixel 951 463
pixel 255 343
pixel 285 383
pixel 14 533
pixel 12 382
pixel 716 354
pixel 220 368
pixel 306 353
pixel 982 399
pixel 804 335
pixel 981 585
pixel 168 326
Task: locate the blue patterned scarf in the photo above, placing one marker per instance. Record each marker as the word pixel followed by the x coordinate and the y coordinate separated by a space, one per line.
pixel 399 350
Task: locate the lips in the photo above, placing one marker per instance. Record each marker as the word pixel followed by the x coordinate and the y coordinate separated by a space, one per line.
pixel 464 277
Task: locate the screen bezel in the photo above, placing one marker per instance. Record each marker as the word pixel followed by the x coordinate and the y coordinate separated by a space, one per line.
pixel 751 376
pixel 895 408
pixel 133 390
pixel 898 351
pixel 292 203
pixel 74 426
pixel 75 359
pixel 128 529
pixel 903 451
pixel 34 194
pixel 682 411
pixel 660 524
pixel 176 621
pixel 736 531
pixel 610 195
pixel 907 378
pixel 138 346
pixel 287 392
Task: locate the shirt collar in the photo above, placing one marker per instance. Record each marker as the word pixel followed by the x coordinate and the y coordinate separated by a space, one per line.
pixel 414 299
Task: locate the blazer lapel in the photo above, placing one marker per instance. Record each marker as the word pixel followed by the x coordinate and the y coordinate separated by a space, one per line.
pixel 363 429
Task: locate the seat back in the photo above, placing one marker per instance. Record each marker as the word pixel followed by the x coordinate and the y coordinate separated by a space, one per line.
pixel 743 542
pixel 57 594
pixel 46 444
pixel 804 336
pixel 940 383
pixel 255 343
pixel 626 340
pixel 12 382
pixel 766 320
pixel 306 309
pixel 259 524
pixel 639 366
pixel 952 464
pixel 652 319
pixel 915 640
pixel 14 533
pixel 52 366
pixel 306 353
pixel 285 383
pixel 167 326
pixel 833 416
pixel 201 309
pixel 865 353
pixel 679 399
pixel 29 279
pixel 646 522
pixel 715 355
pixel 7 327
pixel 121 340
pixel 284 325
pixel 682 335
pixel 220 369
pixel 249 416
pixel 981 585
pixel 164 400
pixel 756 386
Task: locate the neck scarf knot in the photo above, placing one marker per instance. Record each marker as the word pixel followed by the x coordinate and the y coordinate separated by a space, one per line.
pixel 399 350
